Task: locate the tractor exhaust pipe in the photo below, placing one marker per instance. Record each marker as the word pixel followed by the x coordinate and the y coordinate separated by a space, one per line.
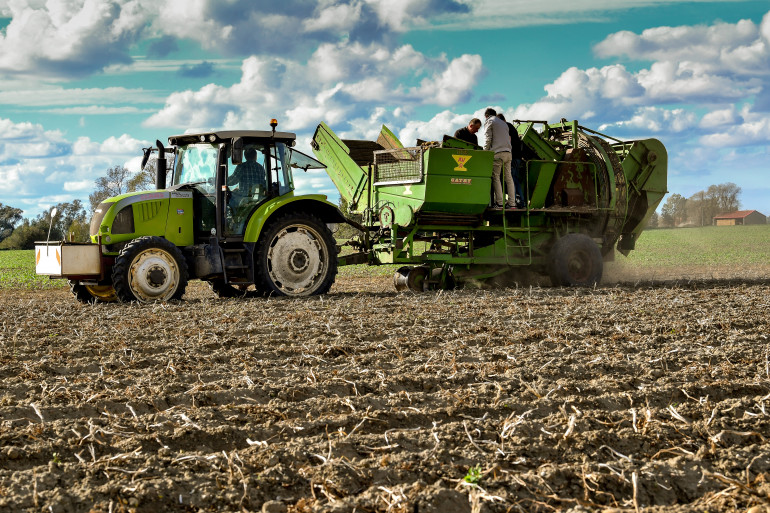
pixel 160 167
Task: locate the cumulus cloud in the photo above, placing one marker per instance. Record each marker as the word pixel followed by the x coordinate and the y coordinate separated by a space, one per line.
pixel 654 120
pixel 742 48
pixel 70 38
pixel 750 129
pixel 36 165
pixel 341 80
pixel 76 39
pixel 720 66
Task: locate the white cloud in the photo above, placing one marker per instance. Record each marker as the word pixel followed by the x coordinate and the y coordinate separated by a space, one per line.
pixel 443 123
pixel 78 186
pixel 750 129
pixel 654 120
pixel 335 17
pixel 739 48
pixel 41 167
pixel 69 38
pixel 719 66
pixel 719 118
pixel 123 145
pixel 347 79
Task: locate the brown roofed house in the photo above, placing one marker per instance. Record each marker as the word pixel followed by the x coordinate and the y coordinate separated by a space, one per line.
pixel 741 217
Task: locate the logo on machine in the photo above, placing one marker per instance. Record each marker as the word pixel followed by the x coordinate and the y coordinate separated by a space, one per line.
pixel 462 181
pixel 461 161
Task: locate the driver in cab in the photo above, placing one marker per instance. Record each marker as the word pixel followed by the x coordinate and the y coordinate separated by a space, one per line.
pixel 249 175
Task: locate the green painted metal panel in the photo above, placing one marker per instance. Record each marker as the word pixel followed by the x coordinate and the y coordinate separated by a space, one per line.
pixel 541 173
pixel 179 227
pixel 349 178
pixel 266 210
pixel 457 180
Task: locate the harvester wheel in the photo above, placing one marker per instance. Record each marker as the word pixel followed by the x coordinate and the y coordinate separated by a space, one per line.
pixel 296 256
pixel 575 261
pixel 400 277
pixel 92 293
pixel 149 269
pixel 415 281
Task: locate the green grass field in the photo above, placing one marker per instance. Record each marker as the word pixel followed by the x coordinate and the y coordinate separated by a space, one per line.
pixel 17 270
pixel 711 246
pixel 707 246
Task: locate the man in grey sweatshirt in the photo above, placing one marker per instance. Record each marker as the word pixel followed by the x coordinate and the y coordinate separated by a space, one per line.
pixel 498 139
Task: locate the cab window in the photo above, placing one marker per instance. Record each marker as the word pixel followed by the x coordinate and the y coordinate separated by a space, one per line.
pixel 196 163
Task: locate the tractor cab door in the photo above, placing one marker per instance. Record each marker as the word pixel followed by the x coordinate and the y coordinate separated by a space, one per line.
pixel 246 186
pixel 195 169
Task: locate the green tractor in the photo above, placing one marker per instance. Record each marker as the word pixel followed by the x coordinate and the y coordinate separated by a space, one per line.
pixel 226 213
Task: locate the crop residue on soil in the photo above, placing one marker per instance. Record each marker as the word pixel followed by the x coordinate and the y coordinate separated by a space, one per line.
pixel 534 399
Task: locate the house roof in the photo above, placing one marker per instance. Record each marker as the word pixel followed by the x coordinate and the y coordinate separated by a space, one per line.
pixel 740 214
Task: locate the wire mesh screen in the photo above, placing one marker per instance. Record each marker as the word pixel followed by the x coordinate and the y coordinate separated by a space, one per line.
pixel 402 165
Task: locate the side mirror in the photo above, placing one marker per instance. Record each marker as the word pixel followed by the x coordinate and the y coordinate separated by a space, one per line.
pixel 237 156
pixel 146 157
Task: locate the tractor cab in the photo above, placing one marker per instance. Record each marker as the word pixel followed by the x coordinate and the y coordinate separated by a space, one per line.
pixel 233 173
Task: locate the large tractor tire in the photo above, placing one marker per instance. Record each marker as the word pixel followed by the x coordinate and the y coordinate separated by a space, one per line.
pixel 296 255
pixel 90 294
pixel 149 269
pixel 575 261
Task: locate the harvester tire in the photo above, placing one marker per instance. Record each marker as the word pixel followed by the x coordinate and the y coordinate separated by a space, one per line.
pixel 575 261
pixel 296 255
pixel 149 269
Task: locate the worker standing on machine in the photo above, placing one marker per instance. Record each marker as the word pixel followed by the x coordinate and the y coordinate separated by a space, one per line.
pixel 498 140
pixel 468 133
pixel 516 155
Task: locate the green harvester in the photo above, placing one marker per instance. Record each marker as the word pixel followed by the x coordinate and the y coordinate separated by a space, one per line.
pixel 428 206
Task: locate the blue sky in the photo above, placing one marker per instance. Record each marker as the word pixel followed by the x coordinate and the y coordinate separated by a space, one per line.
pixel 85 84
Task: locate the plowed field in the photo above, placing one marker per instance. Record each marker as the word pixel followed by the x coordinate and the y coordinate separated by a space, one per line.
pixel 635 397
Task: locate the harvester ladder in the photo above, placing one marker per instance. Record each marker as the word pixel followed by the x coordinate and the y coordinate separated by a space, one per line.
pixel 508 245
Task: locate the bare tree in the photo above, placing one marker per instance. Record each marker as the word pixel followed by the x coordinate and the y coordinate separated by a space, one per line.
pixel 120 180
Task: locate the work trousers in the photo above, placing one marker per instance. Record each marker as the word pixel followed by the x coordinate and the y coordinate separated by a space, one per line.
pixel 503 163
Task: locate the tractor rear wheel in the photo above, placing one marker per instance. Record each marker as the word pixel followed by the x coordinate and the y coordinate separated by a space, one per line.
pixel 149 269
pixel 575 261
pixel 296 255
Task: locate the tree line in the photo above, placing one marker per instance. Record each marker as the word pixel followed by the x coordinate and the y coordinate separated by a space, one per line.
pixel 72 219
pixel 699 209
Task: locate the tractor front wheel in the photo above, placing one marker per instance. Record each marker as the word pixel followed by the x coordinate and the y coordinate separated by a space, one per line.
pixel 149 269
pixel 296 256
pixel 92 293
pixel 575 261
